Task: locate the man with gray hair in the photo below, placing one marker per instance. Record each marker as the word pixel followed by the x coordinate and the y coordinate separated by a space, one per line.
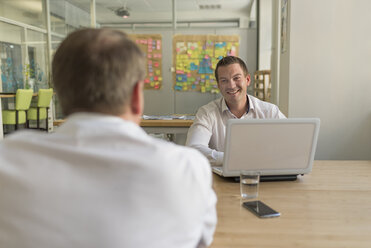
pixel 100 180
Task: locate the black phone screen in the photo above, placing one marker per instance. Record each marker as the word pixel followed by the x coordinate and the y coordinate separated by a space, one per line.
pixel 260 209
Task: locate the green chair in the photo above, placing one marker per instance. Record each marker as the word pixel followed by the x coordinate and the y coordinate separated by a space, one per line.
pixel 19 115
pixel 41 111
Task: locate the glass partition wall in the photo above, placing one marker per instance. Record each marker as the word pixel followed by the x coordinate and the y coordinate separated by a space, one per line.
pixel 30 32
pixel 23 50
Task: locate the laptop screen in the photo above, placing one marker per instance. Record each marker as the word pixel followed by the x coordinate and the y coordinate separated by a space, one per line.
pixel 271 146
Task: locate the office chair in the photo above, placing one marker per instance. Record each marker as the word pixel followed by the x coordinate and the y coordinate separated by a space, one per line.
pixel 40 112
pixel 19 115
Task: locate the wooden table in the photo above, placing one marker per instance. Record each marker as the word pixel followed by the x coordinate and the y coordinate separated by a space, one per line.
pixel 10 95
pixel 330 207
pixel 152 123
pixel 168 127
pixel 166 123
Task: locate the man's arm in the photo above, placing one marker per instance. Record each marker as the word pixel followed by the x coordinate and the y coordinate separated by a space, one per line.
pixel 276 113
pixel 209 218
pixel 199 135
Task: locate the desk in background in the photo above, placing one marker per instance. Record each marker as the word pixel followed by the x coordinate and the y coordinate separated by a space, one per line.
pixel 330 207
pixel 169 127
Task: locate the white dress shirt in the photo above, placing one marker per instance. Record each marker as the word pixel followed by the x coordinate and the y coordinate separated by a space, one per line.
pixel 207 134
pixel 100 181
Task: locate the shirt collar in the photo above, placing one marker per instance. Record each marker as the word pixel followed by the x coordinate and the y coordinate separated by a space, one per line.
pixel 225 107
pixel 92 120
pixel 251 106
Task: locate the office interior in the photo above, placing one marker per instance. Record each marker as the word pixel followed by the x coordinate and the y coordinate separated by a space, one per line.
pixel 318 52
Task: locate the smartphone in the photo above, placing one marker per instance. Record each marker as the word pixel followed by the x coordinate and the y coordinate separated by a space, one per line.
pixel 260 209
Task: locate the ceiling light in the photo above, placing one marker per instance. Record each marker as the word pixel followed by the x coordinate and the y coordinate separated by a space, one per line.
pixel 122 12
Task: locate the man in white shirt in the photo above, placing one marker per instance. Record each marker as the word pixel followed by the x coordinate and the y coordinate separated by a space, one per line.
pixel 100 180
pixel 207 133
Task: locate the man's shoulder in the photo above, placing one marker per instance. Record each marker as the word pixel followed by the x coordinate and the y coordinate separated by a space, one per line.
pixel 214 105
pixel 173 158
pixel 24 135
pixel 260 103
pixel 177 152
pixel 265 109
pixel 21 142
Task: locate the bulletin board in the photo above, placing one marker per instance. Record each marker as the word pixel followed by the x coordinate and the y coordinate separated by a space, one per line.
pixel 151 45
pixel 195 58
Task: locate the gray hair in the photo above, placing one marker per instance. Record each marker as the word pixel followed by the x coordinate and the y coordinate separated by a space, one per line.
pixel 95 70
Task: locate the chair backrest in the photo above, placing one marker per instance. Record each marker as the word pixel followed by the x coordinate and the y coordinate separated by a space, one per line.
pixel 44 97
pixel 23 99
pixel 262 85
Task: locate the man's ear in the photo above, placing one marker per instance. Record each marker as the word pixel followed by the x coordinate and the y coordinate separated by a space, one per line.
pixel 137 99
pixel 248 80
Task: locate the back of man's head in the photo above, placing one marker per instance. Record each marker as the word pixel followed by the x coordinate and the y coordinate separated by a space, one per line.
pixel 95 70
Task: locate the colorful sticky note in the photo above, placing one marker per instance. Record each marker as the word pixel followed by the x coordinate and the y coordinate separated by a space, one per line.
pixel 193 67
pixel 181 77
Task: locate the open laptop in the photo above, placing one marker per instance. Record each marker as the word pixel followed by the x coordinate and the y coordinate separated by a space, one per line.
pixel 280 149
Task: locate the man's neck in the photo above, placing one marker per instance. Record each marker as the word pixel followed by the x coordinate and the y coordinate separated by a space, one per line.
pixel 128 116
pixel 240 108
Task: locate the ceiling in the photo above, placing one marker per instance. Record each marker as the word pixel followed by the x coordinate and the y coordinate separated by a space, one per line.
pixel 141 11
pixel 161 10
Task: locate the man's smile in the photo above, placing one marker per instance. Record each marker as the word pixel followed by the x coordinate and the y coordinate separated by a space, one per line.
pixel 233 91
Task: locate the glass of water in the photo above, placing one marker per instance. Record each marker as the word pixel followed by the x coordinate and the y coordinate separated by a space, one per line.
pixel 249 184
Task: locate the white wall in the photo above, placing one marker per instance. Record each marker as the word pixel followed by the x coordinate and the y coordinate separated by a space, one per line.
pixel 265 34
pixel 328 73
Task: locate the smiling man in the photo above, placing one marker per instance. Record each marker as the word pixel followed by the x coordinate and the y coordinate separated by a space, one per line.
pixel 207 133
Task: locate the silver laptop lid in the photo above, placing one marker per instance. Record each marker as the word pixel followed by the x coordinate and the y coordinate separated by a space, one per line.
pixel 271 146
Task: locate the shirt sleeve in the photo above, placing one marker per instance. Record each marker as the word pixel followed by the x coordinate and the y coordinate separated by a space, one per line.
pixel 278 114
pixel 210 216
pixel 199 135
